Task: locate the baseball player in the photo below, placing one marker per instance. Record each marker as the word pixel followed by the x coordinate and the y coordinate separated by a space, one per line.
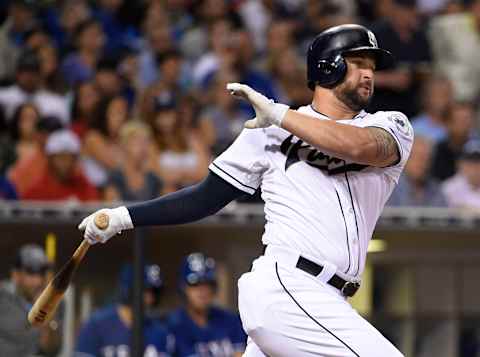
pixel 325 173
pixel 201 329
pixel 108 332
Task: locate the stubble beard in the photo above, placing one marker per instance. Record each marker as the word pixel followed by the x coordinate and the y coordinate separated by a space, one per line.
pixel 351 97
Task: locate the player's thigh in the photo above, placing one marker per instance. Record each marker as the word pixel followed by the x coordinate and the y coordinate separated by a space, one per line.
pixel 289 314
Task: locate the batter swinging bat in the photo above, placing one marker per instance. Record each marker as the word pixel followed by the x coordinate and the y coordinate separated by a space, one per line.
pixel 46 305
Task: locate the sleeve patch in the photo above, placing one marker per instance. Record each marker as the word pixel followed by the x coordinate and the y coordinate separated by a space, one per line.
pixel 400 122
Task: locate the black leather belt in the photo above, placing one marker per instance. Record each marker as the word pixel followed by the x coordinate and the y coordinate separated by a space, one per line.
pixel 347 288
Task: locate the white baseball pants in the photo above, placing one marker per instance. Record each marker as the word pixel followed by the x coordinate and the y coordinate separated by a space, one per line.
pixel 288 313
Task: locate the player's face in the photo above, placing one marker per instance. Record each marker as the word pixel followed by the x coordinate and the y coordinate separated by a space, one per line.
pixel 29 284
pixel 200 297
pixel 357 88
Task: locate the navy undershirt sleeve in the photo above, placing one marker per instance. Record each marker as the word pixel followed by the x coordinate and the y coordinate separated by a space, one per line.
pixel 187 205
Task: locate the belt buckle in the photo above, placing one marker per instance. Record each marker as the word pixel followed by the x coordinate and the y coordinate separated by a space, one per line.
pixel 350 288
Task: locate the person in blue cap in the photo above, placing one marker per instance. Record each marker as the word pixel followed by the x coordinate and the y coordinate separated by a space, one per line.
pixel 109 331
pixel 200 328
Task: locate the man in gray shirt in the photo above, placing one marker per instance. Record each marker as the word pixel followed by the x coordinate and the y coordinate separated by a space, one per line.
pixel 28 277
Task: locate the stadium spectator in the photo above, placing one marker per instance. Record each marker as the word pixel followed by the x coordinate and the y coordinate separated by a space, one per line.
pixel 402 34
pixel 169 64
pixel 62 20
pixel 181 157
pixel 200 328
pixel 455 43
pixel 460 124
pixel 36 38
pixel 23 130
pixel 89 41
pixel 7 190
pixel 280 38
pixel 101 143
pixel 318 16
pixel 158 41
pixel 107 78
pixel 257 17
pixel 195 41
pixel 436 98
pixel 20 174
pixel 289 79
pixel 117 34
pixel 52 79
pixel 463 189
pixel 415 187
pixel 28 88
pixel 128 70
pixel 221 46
pixel 109 330
pixel 27 279
pixel 20 19
pixel 430 8
pixel 64 179
pixel 222 120
pixel 241 62
pixel 133 180
pixel 84 107
pixel 180 18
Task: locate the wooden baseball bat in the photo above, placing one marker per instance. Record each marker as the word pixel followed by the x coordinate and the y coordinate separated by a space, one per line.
pixel 46 304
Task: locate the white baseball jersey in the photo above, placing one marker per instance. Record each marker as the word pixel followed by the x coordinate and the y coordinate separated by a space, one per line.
pixel 320 206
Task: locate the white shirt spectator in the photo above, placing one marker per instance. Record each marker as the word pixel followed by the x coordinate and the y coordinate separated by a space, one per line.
pixel 460 193
pixel 48 103
pixel 454 58
pixel 207 64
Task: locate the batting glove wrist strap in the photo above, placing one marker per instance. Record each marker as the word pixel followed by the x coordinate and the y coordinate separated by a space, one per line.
pixel 278 113
pixel 124 219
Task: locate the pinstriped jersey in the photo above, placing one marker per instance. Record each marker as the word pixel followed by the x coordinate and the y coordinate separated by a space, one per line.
pixel 321 206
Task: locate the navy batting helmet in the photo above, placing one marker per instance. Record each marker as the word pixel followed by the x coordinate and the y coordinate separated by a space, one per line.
pixel 197 268
pixel 152 280
pixel 326 64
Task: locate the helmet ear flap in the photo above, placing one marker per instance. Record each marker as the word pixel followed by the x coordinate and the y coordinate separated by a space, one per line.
pixel 331 72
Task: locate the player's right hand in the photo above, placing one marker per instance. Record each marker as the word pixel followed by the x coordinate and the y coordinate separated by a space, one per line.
pixel 118 220
pixel 267 112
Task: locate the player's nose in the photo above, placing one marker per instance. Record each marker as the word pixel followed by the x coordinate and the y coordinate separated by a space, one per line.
pixel 367 74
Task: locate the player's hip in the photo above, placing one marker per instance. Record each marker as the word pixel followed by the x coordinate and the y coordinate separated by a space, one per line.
pixel 285 303
pixel 268 289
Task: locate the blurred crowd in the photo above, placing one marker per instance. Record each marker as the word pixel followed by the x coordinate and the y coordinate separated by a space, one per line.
pixel 197 326
pixel 125 100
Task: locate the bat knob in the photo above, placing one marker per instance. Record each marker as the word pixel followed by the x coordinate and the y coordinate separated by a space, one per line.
pixel 101 221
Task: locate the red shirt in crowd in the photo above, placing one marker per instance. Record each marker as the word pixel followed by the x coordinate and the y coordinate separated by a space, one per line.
pixel 49 188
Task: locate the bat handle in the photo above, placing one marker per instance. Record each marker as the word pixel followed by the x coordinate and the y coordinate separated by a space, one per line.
pixel 81 251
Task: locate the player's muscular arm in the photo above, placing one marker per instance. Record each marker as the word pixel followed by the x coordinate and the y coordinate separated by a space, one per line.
pixel 369 146
pixel 385 146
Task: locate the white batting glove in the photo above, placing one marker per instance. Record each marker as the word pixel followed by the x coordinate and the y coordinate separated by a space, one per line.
pixel 266 110
pixel 118 220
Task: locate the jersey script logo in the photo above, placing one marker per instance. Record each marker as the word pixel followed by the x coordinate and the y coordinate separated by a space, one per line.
pixel 300 151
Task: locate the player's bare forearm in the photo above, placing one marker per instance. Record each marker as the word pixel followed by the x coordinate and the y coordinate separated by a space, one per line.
pixel 369 146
